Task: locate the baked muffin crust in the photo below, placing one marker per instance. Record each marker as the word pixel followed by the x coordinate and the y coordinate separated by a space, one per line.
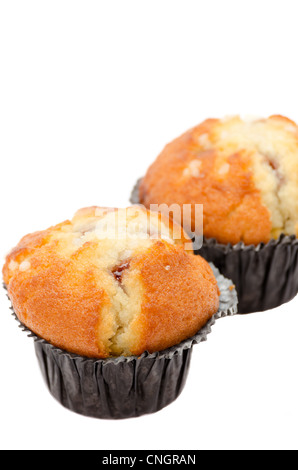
pixel 96 295
pixel 245 173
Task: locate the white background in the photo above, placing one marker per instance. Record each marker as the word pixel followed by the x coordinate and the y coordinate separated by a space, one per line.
pixel 90 92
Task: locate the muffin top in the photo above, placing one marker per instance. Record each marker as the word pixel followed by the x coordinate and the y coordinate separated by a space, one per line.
pixel 111 282
pixel 245 173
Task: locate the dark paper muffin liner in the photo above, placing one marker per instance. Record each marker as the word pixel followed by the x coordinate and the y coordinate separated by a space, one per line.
pixel 265 276
pixel 124 387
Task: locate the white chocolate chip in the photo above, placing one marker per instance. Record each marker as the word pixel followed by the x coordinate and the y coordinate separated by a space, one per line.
pixel 224 169
pixel 204 140
pixel 127 254
pixel 79 242
pixel 13 265
pixel 25 266
pixel 193 169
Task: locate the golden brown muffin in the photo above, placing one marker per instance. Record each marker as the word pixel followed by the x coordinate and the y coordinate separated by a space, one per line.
pixel 245 173
pixel 92 293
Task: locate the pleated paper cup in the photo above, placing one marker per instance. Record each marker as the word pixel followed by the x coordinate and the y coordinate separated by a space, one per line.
pixel 265 276
pixel 124 387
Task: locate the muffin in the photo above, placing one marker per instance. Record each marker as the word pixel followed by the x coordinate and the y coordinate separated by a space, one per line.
pixel 101 297
pixel 111 285
pixel 245 173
